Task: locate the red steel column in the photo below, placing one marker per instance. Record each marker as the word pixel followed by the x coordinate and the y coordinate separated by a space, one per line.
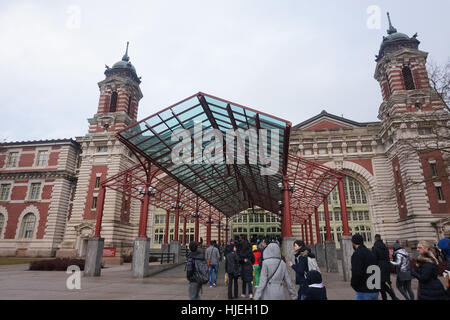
pixel 184 230
pixel 226 231
pixel 219 235
pixel 286 226
pixel 208 232
pixel 316 216
pixel 345 228
pixel 303 232
pixel 144 215
pixel 99 213
pixel 327 219
pixel 311 230
pixel 306 233
pixel 197 226
pixel 177 222
pixel 166 230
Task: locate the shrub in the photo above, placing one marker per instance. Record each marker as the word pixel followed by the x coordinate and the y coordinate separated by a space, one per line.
pixel 58 264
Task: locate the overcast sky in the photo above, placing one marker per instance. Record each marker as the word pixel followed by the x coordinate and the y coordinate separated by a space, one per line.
pixel 291 59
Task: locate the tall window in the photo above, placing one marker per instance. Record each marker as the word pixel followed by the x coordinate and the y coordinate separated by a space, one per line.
pixel 28 223
pixel 408 78
pixel 439 193
pixel 94 203
pixel 42 157
pixel 2 221
pixel 4 191
pixel 433 169
pixel 113 104
pixel 97 182
pixel 129 105
pixel 35 191
pixel 12 159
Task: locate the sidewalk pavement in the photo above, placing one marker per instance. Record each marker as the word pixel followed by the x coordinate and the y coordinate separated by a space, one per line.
pixel 16 282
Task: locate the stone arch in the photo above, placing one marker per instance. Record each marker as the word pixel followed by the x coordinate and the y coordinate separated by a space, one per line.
pixel 30 209
pixel 366 180
pixel 4 212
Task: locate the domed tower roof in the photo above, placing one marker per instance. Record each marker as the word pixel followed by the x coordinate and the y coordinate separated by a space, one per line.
pixel 123 68
pixel 395 41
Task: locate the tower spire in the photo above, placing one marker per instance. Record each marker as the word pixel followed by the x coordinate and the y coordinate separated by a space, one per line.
pixel 391 29
pixel 126 57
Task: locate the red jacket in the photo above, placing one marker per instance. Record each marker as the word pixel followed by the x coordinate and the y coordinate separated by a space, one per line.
pixel 257 255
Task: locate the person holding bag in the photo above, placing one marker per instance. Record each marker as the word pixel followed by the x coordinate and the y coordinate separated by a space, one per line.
pixel 273 274
pixel 403 266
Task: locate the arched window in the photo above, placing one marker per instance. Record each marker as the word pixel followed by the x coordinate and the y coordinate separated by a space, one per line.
pixel 113 104
pixel 2 221
pixel 28 222
pixel 408 78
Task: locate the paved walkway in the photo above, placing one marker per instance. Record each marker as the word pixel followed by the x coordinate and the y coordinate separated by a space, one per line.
pixel 16 282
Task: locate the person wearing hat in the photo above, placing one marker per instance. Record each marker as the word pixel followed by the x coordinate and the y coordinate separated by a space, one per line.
pixel 403 266
pixel 361 259
pixel 256 267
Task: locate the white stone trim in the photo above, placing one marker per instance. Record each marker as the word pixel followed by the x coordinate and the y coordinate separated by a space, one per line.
pixel 5 222
pixel 29 209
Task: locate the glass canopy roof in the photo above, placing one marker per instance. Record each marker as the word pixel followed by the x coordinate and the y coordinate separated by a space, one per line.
pixel 241 179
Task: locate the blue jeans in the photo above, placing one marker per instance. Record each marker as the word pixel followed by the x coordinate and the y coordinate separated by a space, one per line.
pixel 244 287
pixel 366 296
pixel 212 267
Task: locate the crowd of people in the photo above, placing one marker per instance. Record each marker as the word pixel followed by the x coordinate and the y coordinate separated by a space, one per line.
pixel 262 269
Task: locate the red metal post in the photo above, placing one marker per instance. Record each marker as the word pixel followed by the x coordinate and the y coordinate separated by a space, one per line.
pixel 197 226
pixel 99 213
pixel 311 230
pixel 316 217
pixel 184 230
pixel 226 231
pixel 144 214
pixel 208 232
pixel 345 228
pixel 306 233
pixel 327 219
pixel 166 230
pixel 303 232
pixel 218 231
pixel 286 227
pixel 177 215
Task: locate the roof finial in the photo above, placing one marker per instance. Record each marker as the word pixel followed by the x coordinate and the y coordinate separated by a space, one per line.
pixel 391 29
pixel 126 57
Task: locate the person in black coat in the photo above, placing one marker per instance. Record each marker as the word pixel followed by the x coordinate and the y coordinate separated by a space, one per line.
pixel 361 259
pixel 381 253
pixel 315 290
pixel 430 287
pixel 246 260
pixel 301 266
pixel 232 268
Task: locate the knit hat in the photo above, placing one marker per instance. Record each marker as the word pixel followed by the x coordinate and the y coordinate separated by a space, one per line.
pixel 254 247
pixel 396 246
pixel 357 239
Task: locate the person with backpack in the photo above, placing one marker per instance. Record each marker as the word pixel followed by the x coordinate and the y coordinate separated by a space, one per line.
pixel 403 267
pixel 196 271
pixel 273 274
pixel 246 259
pixel 315 290
pixel 212 259
pixel 301 266
pixel 232 268
pixel 381 253
pixel 256 268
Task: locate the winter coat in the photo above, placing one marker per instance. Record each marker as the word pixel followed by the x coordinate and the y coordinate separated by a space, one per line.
pixel 212 253
pixel 246 267
pixel 197 255
pixel 361 259
pixel 301 268
pixel 275 269
pixel 232 264
pixel 402 264
pixel 228 249
pixel 430 287
pixel 381 253
pixel 257 256
pixel 315 290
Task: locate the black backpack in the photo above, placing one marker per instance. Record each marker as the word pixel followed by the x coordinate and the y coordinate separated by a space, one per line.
pixel 197 270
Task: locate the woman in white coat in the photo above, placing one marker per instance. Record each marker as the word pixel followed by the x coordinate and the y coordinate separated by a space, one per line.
pixel 273 273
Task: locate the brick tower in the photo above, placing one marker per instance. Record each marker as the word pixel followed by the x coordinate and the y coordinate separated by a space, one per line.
pixel 103 156
pixel 412 116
